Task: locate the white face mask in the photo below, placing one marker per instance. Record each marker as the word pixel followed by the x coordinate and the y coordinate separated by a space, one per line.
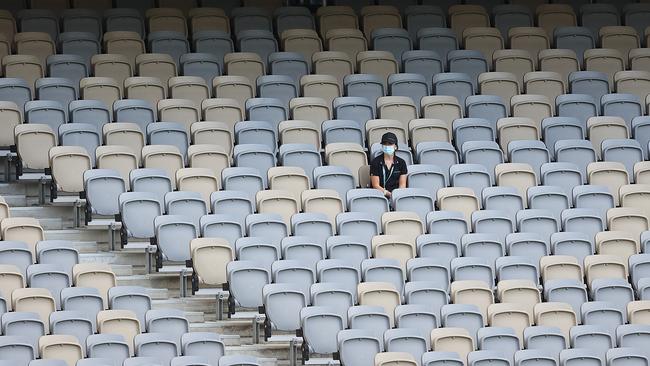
pixel 388 149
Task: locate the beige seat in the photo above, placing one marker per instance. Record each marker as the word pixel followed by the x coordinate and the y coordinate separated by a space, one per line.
pixel 621 38
pixel 605 266
pixel 106 90
pixel 364 176
pixel 631 220
pixel 428 129
pixel 560 267
pixel 621 243
pixel 444 107
pixel 379 16
pixel 561 61
pixel 521 292
pixel 290 179
pixel 5 44
pixel 466 16
pixel 279 202
pixel 304 41
pixel 531 39
pixel 117 157
pixel 124 43
pixel 642 172
pixel 112 65
pixel 335 63
pixel 165 157
pixel 166 19
pixel 27 67
pixel 246 64
pixel 7 24
pixel 336 17
pixel 207 19
pixel 321 86
pixel 68 165
pixel 299 132
pixel 212 133
pixel 511 315
pixel 547 83
pixel 150 89
pixel 533 106
pixel 639 59
pixel 450 339
pixel 636 196
pixel 375 128
pixel 397 247
pixel 638 312
pixel 11 116
pixel 11 279
pixel 350 41
pixel 60 347
pixel 607 60
pixel 124 134
pixel 37 44
pixel 556 314
pixel 4 209
pixel 473 292
pixel 34 300
pixel 518 175
pixel 313 109
pixel 213 157
pixel 551 16
pixel 381 63
pixel 122 322
pixel 202 180
pixel 325 201
pixel 633 82
pixel 395 359
pixel 209 259
pixel 238 88
pixel 515 61
pixel 25 229
pixel 483 39
pixel 379 294
pixel 608 173
pixel 605 127
pixel 351 156
pixel 156 65
pixel 461 199
pixel 97 275
pixel 193 88
pixel 184 111
pixel 405 224
pixel 225 110
pixel 502 84
pixel 398 108
pixel 516 128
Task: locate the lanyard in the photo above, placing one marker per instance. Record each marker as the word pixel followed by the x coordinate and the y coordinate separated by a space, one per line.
pixel 390 172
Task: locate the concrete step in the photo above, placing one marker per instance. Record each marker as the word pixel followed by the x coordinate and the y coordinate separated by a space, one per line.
pixel 79 234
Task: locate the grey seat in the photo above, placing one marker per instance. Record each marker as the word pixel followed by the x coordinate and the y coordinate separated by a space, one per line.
pixel 578 152
pixel 85 135
pixel 358 347
pixel 569 291
pixel 172 43
pixel 150 180
pixel 477 358
pixel 490 107
pixel 238 360
pixel 639 267
pixel 564 175
pixel 82 299
pixel 305 156
pixel 49 112
pixel 439 358
pixel 259 41
pixel 579 356
pixel 190 361
pixel 95 361
pixel 39 20
pixel 342 130
pixel 267 109
pixel 267 225
pixel 502 339
pixel 304 249
pixel 358 109
pixel 414 86
pixel 593 337
pixel 595 16
pixel 641 132
pixel 579 106
pixel 320 325
pixel 15 90
pixel 593 83
pixel 144 361
pixel 584 220
pixel 561 128
pixel 633 15
pixel 472 129
pixel 440 247
pixel 531 152
pixel 133 298
pixel 538 221
pixel 383 270
pixel 615 291
pixel 291 64
pixel 256 132
pixel 549 340
pixel 368 200
pixel 507 16
pixel 575 244
pixel 469 62
pixel 243 179
pixel 417 317
pixel 109 346
pixel 71 323
pixel 534 357
pixel 334 298
pixel 632 335
pixel 313 224
pixel 455 84
pixel 578 39
pixel 281 87
pixel 426 176
pixel 372 319
pixel 103 188
pixel 16 253
pixel 437 153
pixel 552 198
pixel 82 20
pixel 28 326
pixel 259 250
pixel 527 244
pixel 626 106
pixel 486 153
pixel 295 273
pixel 517 267
pixel 159 346
pixel 169 321
pixel 62 90
pixel 472 268
pixel 450 223
pixel 221 225
pixel 422 16
pixel 488 246
pixel 625 151
pixel 439 39
pixel 205 65
pixel 594 197
pixel 394 40
pixel 124 19
pixel 352 249
pixel 467 316
pixel 408 340
pixel 215 42
pixel 173 234
pixel 474 176
pixel 89 111
pixel 429 269
pixel 605 314
pixel 506 199
pixel 188 204
pixel 71 67
pixel 235 203
pixel 136 110
pixel 168 133
pixel 424 62
pixel 626 356
pixel 340 275
pixel 203 344
pixel 84 44
pixel 416 200
pixel 138 211
pixel 369 86
pixel 17 349
pixel 49 276
pixel 293 17
pixel 282 304
pixel 245 280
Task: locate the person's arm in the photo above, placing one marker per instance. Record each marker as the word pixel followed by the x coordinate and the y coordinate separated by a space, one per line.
pixel 402 181
pixel 374 180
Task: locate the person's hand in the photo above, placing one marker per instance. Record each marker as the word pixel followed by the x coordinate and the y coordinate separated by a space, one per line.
pixel 387 193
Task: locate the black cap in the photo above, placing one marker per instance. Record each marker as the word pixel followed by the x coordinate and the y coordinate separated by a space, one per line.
pixel 389 138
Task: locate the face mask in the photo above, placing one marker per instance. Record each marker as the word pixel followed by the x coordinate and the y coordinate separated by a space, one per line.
pixel 388 149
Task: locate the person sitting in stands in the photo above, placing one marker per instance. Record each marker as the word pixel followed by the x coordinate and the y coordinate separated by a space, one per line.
pixel 388 171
